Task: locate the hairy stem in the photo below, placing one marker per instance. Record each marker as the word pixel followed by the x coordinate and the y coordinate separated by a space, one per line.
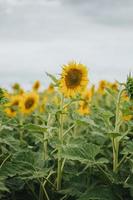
pixel 59 168
pixel 115 141
pixel 45 144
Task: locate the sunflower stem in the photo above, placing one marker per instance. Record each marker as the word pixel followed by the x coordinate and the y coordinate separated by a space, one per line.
pixel 59 168
pixel 21 130
pixel 45 144
pixel 115 141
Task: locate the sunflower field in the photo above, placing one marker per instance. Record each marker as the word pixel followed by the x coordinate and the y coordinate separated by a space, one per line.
pixel 71 141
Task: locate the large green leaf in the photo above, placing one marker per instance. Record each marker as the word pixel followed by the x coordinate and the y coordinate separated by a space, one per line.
pixel 11 142
pixel 23 164
pixel 84 153
pixel 36 128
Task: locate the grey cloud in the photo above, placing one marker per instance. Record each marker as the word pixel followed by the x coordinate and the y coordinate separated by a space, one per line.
pixel 41 20
pixel 40 35
pixel 30 19
pixel 109 12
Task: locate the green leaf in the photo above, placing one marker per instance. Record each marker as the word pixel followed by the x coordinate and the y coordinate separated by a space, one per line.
pixel 83 153
pixel 71 191
pixel 15 184
pixel 4 127
pixel 98 193
pixel 11 142
pixel 10 169
pixel 86 120
pixel 3 188
pixel 36 128
pixel 24 165
pixel 128 148
pixel 53 78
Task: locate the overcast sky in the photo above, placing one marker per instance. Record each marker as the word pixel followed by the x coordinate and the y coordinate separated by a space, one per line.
pixel 40 35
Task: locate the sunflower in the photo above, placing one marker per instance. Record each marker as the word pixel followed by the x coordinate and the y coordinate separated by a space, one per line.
pixel 29 103
pixel 13 106
pixel 16 86
pixel 36 85
pixel 10 112
pixel 84 104
pixel 113 86
pixel 87 95
pixel 125 96
pixel 73 79
pixel 127 117
pixel 42 103
pixel 84 108
pixel 103 84
pixel 50 88
pixel 21 91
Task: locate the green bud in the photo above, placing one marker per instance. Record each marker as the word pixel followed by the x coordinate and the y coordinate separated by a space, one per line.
pixel 3 99
pixel 129 86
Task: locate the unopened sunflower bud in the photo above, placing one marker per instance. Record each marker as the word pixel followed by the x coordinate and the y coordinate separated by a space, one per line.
pixel 129 86
pixel 16 86
pixel 3 99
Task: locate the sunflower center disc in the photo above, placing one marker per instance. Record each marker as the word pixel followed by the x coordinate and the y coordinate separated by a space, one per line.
pixel 29 103
pixel 73 78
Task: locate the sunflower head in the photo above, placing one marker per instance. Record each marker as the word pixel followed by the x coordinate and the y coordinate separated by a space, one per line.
pixel 36 85
pixel 50 88
pixel 21 91
pixel 29 103
pixel 16 86
pixel 84 108
pixel 87 95
pixel 13 106
pixel 127 117
pixel 114 86
pixel 10 113
pixel 125 96
pixel 102 86
pixel 73 79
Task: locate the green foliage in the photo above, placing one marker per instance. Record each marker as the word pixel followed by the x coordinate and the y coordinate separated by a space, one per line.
pixel 85 153
pixel 3 99
pixel 129 86
pixel 98 193
pixel 91 156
